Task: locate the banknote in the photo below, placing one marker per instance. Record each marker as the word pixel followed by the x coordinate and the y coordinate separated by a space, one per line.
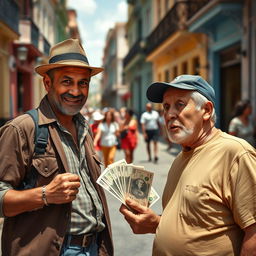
pixel 124 180
pixel 153 197
pixel 140 185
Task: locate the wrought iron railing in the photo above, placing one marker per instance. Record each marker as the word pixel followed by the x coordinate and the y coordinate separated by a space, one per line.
pixel 135 49
pixel 174 20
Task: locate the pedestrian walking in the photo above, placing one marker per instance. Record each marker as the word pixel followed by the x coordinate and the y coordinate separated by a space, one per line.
pixel 97 118
pixel 129 135
pixel 150 128
pixel 49 198
pixel 107 134
pixel 241 125
pixel 209 197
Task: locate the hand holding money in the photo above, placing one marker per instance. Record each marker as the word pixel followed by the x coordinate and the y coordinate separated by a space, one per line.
pixel 141 219
pixel 124 181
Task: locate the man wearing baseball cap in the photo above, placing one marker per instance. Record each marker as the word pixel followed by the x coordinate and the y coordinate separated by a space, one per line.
pixel 64 212
pixel 209 198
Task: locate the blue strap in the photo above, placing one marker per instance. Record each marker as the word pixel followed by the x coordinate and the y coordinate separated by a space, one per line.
pixel 41 133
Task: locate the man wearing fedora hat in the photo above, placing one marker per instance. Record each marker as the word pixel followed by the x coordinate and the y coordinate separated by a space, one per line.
pixel 65 211
pixel 209 197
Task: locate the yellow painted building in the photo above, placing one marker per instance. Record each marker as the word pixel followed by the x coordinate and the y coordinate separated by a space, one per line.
pixel 174 50
pixel 181 53
pixel 8 33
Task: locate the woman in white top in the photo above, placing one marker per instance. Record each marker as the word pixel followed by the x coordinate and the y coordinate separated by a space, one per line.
pixel 241 125
pixel 107 133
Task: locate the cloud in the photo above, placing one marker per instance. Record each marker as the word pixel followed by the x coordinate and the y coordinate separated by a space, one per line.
pixel 119 14
pixel 122 11
pixel 87 7
pixel 100 17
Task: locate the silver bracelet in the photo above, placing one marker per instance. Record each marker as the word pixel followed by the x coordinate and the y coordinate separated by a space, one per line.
pixel 44 195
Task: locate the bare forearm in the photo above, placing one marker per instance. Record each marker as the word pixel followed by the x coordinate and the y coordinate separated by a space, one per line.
pixel 143 129
pixel 16 202
pixel 249 243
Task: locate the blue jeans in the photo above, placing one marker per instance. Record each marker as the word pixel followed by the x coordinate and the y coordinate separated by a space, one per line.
pixel 75 250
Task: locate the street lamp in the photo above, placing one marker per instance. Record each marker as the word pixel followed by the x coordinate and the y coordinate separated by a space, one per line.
pixel 22 53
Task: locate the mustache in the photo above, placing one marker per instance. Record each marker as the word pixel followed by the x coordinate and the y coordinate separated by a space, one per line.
pixel 68 95
pixel 176 123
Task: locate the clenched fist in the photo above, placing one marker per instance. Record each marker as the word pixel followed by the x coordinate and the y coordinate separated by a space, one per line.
pixel 63 188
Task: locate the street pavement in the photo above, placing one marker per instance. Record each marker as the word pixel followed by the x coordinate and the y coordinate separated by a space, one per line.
pixel 125 242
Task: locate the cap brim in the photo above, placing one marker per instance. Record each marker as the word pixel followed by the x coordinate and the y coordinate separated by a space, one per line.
pixel 41 70
pixel 155 91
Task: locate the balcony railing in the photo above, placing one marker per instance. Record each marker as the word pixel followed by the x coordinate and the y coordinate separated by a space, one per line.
pixel 174 20
pixel 34 34
pixel 9 14
pixel 136 49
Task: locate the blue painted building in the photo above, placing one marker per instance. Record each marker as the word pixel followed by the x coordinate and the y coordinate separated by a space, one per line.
pixel 138 72
pixel 222 21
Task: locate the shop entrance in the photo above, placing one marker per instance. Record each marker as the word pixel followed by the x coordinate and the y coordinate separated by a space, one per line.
pixel 230 83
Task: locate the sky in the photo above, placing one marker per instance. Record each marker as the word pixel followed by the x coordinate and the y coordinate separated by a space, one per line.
pixel 95 18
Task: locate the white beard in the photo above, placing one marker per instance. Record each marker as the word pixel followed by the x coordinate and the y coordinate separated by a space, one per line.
pixel 181 136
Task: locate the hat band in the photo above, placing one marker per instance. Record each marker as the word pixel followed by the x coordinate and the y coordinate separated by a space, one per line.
pixel 68 56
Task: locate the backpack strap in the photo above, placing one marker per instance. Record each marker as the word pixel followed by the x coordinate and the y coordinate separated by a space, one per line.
pixel 41 133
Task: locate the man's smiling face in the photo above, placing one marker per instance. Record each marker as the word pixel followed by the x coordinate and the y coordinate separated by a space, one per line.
pixel 68 89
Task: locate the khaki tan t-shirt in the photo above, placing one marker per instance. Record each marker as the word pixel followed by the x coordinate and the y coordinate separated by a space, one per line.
pixel 210 195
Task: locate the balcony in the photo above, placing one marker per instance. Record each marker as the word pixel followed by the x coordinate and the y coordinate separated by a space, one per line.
pixel 174 21
pixel 29 32
pixel 136 49
pixel 9 14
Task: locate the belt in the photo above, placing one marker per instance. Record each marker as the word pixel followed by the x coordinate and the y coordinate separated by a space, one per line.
pixel 81 240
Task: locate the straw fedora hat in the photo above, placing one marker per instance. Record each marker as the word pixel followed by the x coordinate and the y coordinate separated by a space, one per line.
pixel 67 53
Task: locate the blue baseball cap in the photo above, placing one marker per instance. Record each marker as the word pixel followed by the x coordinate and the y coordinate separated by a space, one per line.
pixel 155 91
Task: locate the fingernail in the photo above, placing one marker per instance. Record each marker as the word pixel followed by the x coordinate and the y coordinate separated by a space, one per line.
pixel 128 200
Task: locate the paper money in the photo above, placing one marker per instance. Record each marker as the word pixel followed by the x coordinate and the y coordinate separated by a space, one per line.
pixel 124 180
pixel 153 197
pixel 140 185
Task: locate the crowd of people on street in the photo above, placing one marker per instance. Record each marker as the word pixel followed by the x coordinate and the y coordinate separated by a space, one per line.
pixel 49 196
pixel 115 129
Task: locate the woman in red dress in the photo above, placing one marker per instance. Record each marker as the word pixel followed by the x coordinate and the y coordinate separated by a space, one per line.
pixel 129 135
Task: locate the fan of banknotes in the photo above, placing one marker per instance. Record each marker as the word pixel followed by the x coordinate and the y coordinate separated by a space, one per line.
pixel 124 180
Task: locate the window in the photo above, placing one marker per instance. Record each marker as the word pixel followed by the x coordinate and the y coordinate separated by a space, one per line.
pixel 175 71
pixel 196 66
pixel 184 68
pixel 159 77
pixel 167 76
pixel 159 10
pixel 166 6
